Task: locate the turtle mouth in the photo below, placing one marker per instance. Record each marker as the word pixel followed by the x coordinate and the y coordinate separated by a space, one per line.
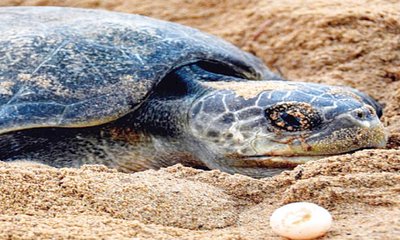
pixel 281 161
pixel 271 161
pixel 330 143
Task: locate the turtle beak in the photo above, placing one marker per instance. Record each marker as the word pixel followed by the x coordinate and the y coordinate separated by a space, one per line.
pixel 351 132
pixel 284 155
pixel 347 134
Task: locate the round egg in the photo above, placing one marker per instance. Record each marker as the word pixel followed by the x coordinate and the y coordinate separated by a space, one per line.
pixel 301 220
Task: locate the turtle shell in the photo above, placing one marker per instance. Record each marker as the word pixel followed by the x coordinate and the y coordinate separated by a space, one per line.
pixel 68 67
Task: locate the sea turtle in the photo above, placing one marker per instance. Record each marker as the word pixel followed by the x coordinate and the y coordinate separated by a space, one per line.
pixel 95 87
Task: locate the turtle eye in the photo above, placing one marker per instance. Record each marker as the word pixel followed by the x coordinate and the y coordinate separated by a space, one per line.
pixel 290 120
pixel 293 116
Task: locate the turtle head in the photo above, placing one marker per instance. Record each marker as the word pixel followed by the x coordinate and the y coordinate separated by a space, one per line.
pixel 260 128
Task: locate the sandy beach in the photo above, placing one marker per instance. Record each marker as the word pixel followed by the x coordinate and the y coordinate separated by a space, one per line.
pixel 354 43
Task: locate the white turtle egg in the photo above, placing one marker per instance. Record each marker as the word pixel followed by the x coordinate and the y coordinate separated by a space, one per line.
pixel 301 220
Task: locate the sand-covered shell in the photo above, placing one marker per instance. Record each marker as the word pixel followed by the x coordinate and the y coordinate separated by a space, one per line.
pixel 68 67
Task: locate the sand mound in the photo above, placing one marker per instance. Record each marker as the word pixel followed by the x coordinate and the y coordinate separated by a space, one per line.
pixel 356 43
pixel 361 191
